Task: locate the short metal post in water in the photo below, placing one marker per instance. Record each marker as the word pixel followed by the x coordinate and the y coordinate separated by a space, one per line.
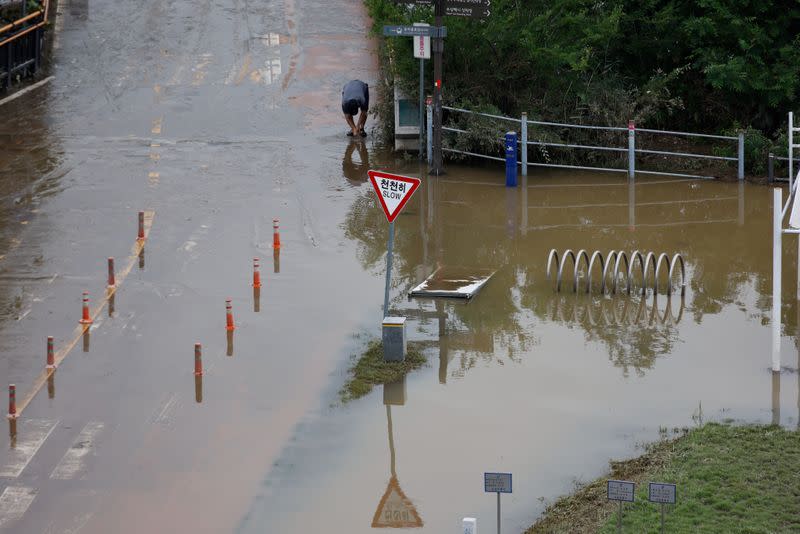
pixel 389 254
pixel 741 155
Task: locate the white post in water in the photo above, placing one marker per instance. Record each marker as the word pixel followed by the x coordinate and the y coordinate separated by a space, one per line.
pixel 777 223
pixel 469 525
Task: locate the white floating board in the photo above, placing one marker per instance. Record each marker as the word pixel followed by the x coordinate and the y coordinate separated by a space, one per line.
pixel 453 282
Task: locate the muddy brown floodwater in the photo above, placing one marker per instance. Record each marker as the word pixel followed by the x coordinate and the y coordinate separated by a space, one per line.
pixel 546 385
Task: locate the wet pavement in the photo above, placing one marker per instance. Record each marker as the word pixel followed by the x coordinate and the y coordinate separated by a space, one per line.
pixel 219 117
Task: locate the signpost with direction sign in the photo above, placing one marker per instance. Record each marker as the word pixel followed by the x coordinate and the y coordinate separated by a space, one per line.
pixel 476 9
pixel 497 483
pixel 620 491
pixel 393 191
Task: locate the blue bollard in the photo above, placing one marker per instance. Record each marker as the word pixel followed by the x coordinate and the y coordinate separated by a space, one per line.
pixel 511 159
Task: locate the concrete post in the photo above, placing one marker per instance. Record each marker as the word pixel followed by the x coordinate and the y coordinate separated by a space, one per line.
pixel 631 149
pixel 771 167
pixel 741 155
pixel 524 143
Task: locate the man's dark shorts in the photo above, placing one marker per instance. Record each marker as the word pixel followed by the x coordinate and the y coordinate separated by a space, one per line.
pixel 355 96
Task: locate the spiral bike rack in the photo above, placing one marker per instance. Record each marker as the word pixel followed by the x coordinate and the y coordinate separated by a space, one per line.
pixel 608 312
pixel 610 265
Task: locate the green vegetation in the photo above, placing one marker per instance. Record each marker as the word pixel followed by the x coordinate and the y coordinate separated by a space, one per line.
pixel 730 479
pixel 706 66
pixel 370 370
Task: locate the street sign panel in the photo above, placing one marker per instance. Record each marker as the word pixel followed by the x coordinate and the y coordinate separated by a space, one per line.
pixel 662 493
pixel 464 10
pixel 422 44
pixel 620 490
pixel 415 31
pixel 393 191
pixel 497 482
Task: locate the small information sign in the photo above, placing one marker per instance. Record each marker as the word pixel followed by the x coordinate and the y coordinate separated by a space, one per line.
pixel 497 482
pixel 620 490
pixel 662 493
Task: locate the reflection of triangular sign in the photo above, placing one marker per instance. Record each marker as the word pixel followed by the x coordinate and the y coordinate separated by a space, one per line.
pixel 393 191
pixel 395 509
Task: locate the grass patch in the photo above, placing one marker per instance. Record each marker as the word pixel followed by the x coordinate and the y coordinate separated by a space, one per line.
pixel 370 370
pixel 730 479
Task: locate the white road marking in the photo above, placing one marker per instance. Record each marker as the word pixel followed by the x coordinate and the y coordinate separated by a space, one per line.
pixel 14 502
pixel 74 460
pixel 32 433
pixel 27 90
pixel 164 416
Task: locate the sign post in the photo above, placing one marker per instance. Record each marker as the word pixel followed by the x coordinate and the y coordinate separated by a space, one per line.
pixel 662 494
pixel 476 9
pixel 497 483
pixel 620 491
pixel 393 192
pixel 422 50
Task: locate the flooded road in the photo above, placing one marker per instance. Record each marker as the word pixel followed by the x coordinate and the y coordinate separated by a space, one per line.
pixel 222 116
pixel 522 379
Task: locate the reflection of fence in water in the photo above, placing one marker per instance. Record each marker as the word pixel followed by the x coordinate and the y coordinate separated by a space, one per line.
pixel 615 312
pixel 646 263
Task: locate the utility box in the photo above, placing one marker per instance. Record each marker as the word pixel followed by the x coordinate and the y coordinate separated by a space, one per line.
pixel 406 122
pixel 394 339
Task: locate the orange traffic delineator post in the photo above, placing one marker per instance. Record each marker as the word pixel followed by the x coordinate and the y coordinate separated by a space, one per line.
pixel 198 359
pixel 85 318
pixel 141 225
pixel 51 358
pixel 112 281
pixel 256 273
pixel 12 401
pixel 229 316
pixel 276 235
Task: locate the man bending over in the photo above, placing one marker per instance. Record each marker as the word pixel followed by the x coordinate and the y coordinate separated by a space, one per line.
pixel 355 96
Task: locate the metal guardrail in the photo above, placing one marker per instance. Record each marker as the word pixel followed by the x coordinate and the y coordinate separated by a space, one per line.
pixel 631 150
pixel 647 263
pixel 21 45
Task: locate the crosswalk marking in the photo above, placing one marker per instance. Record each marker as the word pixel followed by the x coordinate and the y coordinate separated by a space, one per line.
pixel 74 460
pixel 14 502
pixel 32 433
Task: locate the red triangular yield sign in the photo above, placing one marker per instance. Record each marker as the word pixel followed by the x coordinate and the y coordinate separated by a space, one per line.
pixel 395 509
pixel 393 191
